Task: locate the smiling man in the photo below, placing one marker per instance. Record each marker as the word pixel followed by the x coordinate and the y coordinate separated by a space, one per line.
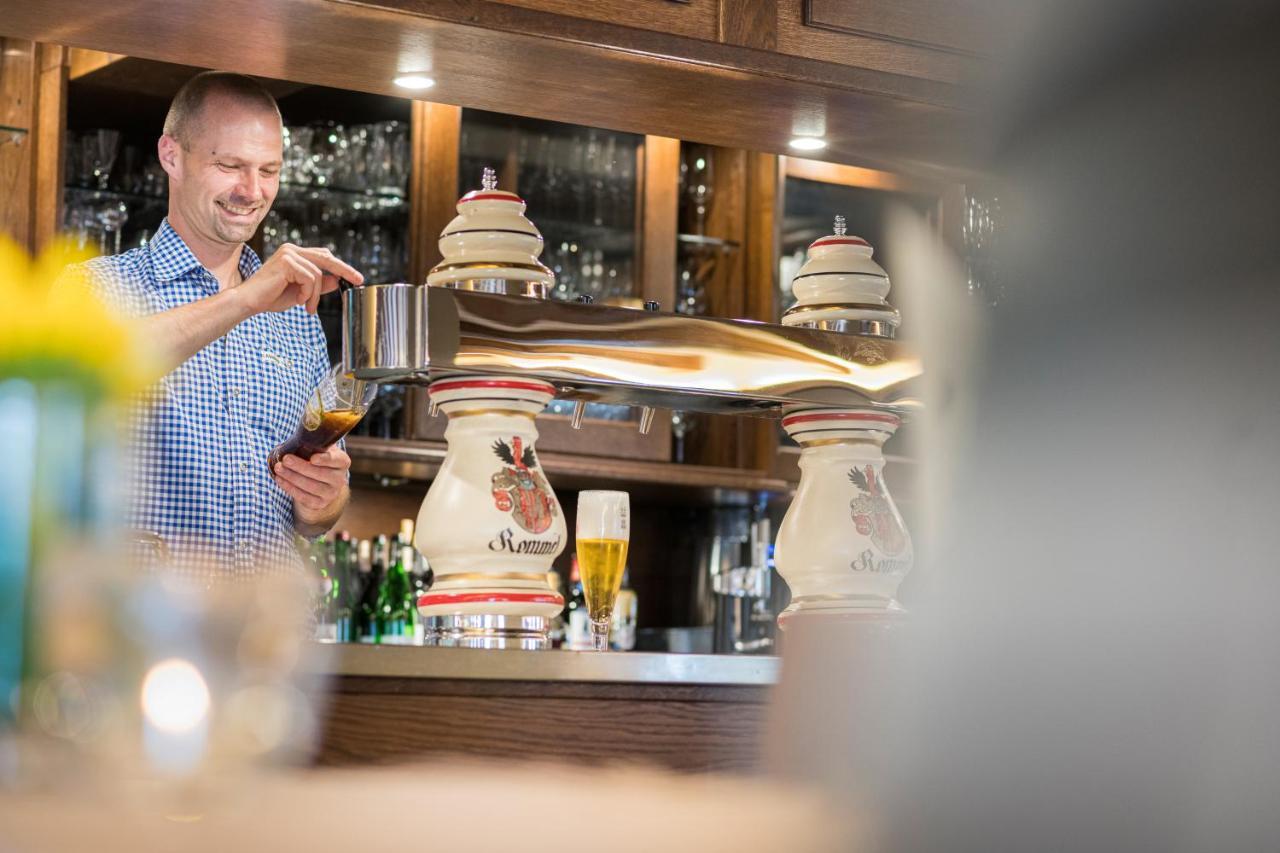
pixel 244 349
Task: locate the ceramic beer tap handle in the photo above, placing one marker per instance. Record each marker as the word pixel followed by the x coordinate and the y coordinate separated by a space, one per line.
pixel 842 548
pixel 490 525
pixel 490 246
pixel 840 288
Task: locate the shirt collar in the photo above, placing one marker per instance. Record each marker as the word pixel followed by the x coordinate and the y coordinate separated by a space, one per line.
pixel 171 258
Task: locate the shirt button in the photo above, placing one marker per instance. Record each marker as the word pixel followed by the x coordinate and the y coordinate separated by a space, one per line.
pixel 235 392
pixel 244 466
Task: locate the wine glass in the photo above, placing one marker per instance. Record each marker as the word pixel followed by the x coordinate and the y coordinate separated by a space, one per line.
pixel 603 534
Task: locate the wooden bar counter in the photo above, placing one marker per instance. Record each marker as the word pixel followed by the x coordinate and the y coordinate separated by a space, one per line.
pixel 686 712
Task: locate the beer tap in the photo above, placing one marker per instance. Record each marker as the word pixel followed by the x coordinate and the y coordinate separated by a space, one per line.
pixel 832 366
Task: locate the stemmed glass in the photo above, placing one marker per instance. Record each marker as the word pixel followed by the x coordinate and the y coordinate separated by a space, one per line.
pixel 603 534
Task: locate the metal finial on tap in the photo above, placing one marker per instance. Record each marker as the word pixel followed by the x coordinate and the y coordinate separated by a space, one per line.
pixel 489 179
pixel 839 225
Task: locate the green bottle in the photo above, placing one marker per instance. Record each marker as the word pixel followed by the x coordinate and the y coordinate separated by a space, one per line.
pixel 395 619
pixel 370 621
pixel 343 576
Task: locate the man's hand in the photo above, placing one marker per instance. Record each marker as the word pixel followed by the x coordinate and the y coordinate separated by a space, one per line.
pixel 318 488
pixel 295 276
pixel 292 276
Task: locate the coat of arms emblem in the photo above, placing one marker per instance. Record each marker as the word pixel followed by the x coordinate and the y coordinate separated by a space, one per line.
pixel 521 489
pixel 873 514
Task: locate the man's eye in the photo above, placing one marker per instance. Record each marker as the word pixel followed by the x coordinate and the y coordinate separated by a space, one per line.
pixel 227 166
pixel 270 173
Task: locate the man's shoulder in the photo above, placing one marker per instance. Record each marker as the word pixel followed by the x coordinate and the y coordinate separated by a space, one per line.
pixel 120 279
pixel 133 263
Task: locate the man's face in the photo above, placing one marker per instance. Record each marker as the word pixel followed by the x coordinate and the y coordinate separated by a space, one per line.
pixel 226 178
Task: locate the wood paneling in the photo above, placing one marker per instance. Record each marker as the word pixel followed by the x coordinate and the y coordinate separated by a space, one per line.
pixel 50 134
pixel 658 182
pixel 764 221
pixel 719 440
pixel 865 50
pixel 951 24
pixel 421 459
pixel 18 99
pixel 88 61
pixel 433 176
pixel 749 23
pixel 373 510
pixel 692 18
pixel 852 176
pixel 526 62
pixel 686 730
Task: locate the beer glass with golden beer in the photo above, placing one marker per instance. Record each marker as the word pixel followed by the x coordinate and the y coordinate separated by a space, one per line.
pixel 603 533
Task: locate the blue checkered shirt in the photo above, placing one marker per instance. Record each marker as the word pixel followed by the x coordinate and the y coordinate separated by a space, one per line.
pixel 201 436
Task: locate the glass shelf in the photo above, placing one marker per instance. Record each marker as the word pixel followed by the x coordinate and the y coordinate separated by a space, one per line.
pixel 702 241
pixel 121 195
pixel 319 192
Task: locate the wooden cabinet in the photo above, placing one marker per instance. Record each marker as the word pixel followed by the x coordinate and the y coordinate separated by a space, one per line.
pixel 745 74
pixel 692 18
pixel 955 25
pixel 931 39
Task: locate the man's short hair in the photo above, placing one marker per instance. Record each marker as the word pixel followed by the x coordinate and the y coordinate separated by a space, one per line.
pixel 183 119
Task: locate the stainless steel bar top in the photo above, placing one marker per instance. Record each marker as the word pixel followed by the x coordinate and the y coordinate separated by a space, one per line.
pixel 514 665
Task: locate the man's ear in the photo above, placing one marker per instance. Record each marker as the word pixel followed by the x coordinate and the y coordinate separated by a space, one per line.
pixel 170 152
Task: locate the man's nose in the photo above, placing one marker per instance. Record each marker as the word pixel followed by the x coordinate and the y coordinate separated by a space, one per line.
pixel 250 186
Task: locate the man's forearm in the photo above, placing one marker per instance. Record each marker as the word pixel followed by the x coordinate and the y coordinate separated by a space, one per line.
pixel 180 333
pixel 309 523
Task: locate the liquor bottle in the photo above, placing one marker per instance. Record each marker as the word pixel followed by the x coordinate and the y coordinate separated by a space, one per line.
pixel 577 624
pixel 343 576
pixel 622 630
pixel 369 620
pixel 319 558
pixel 395 624
pixel 415 587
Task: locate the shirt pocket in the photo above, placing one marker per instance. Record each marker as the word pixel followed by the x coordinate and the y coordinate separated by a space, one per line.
pixel 280 383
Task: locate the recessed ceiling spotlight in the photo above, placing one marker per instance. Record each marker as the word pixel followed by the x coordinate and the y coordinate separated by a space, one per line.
pixel 808 143
pixel 414 81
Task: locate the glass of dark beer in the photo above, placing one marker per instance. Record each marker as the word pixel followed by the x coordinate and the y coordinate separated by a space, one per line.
pixel 331 412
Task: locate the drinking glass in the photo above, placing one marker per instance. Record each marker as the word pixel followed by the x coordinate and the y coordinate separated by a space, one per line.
pixel 603 534
pixel 332 411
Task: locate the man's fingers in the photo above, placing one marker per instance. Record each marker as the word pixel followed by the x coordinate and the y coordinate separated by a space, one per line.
pixel 325 477
pixel 306 276
pixel 325 260
pixel 334 457
pixel 313 488
pixel 303 499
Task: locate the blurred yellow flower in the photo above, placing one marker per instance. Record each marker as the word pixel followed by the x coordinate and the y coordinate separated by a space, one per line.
pixel 54 326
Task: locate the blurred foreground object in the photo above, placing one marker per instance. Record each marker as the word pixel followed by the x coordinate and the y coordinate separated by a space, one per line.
pixel 449 806
pixel 1093 658
pixel 66 361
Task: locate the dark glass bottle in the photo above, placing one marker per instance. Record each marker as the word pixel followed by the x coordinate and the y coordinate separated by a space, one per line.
pixel 395 618
pixel 577 626
pixel 343 577
pixel 372 589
